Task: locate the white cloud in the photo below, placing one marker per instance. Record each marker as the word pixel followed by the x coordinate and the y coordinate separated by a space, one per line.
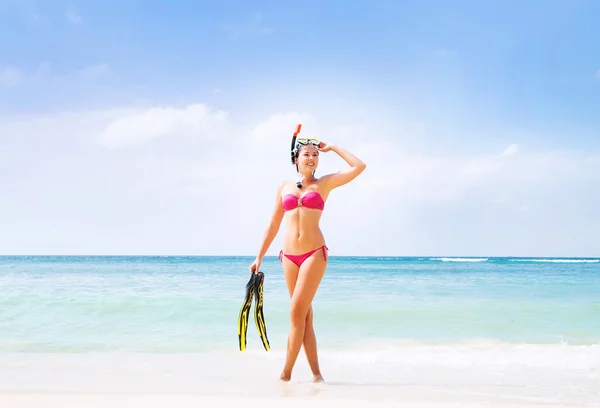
pixel 93 72
pixel 43 80
pixel 198 180
pixel 511 150
pixel 273 129
pixel 146 124
pixel 10 77
pixel 423 177
pixel 73 17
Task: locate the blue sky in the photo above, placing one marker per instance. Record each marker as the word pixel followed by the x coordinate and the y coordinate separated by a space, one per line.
pixel 122 123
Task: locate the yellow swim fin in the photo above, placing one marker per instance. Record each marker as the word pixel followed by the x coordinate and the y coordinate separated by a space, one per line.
pixel 245 313
pixel 259 317
pixel 254 290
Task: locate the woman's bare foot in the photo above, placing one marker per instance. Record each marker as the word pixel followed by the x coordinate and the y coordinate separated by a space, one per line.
pixel 318 378
pixel 285 378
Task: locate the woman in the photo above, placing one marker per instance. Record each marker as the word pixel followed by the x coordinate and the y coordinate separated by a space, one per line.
pixel 304 253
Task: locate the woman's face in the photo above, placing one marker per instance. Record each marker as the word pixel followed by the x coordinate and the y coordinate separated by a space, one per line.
pixel 308 159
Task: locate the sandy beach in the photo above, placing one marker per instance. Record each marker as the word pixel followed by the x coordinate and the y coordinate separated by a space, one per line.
pixel 51 400
pixel 125 380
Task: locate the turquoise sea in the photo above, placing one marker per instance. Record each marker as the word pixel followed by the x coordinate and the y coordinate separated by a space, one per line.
pixel 387 320
pixel 191 304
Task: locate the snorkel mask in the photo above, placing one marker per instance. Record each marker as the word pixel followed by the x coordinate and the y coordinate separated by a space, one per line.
pixel 298 142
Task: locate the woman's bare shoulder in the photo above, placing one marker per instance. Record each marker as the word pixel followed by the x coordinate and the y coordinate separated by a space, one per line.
pixel 283 186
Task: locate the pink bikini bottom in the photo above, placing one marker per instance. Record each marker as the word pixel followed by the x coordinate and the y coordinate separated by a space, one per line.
pixel 299 259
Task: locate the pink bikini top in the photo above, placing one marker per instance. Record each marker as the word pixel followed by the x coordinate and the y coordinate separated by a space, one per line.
pixel 309 200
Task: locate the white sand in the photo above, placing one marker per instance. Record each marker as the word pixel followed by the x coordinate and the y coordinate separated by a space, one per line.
pixel 213 380
pixel 196 401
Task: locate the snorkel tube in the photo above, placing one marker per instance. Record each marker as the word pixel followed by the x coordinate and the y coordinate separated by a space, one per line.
pixel 294 141
pixel 293 150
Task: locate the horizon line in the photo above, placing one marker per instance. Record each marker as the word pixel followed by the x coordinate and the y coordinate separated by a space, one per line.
pixel 275 256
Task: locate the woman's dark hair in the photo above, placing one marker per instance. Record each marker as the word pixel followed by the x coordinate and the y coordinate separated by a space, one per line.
pixel 295 154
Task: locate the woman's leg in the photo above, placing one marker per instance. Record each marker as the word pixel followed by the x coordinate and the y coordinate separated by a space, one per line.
pixel 290 272
pixel 310 346
pixel 309 276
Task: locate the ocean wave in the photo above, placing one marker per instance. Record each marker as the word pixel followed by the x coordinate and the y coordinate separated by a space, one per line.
pixel 485 352
pixel 551 260
pixel 381 352
pixel 445 259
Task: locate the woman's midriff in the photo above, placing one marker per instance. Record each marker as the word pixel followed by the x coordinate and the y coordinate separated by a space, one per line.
pixel 303 233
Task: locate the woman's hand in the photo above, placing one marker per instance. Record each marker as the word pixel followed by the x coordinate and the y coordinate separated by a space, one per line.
pixel 254 268
pixel 324 147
